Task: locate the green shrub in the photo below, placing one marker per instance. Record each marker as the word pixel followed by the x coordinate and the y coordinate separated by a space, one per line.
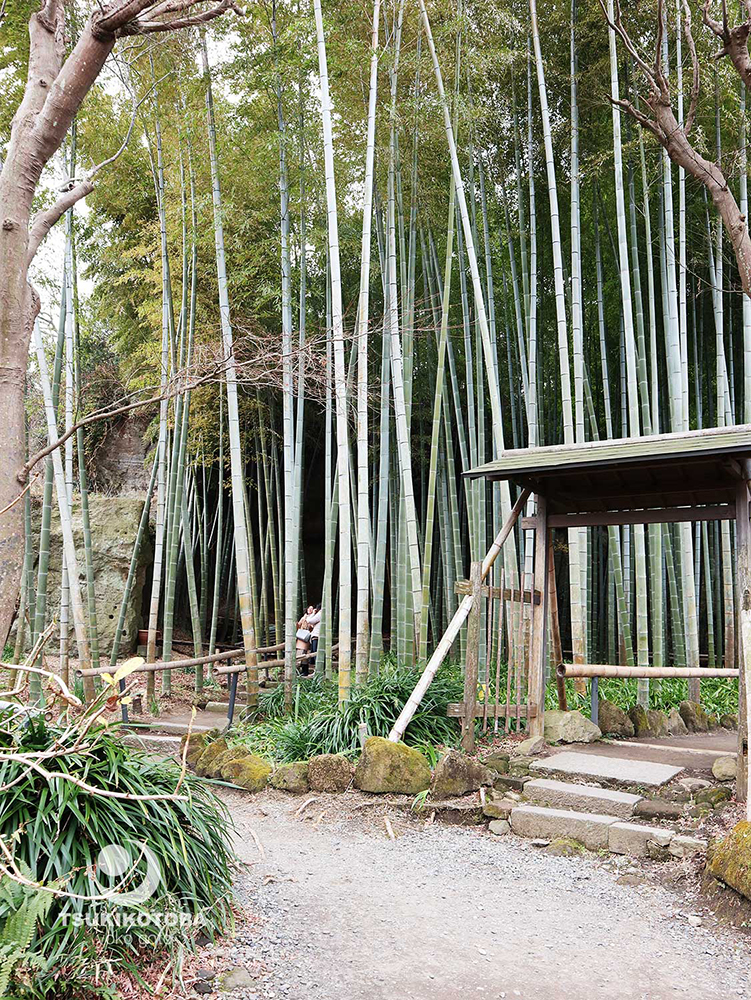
pixel 323 726
pixel 57 829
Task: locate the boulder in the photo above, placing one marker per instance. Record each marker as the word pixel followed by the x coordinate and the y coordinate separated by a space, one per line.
pixel 209 754
pixel 520 766
pixel 648 722
pixel 725 768
pixel 237 978
pixel 234 753
pixel 498 808
pixel 251 772
pixel 569 727
pixel 729 721
pixel 225 757
pixel 530 747
pixel 330 772
pixel 658 722
pixel 391 767
pixel 658 809
pixel 730 859
pixel 565 847
pixel 114 525
pixel 694 717
pixel 196 746
pixel 455 774
pixel 714 797
pixel 499 827
pixel 497 761
pixel 613 720
pixel 291 777
pixel 713 721
pixel 676 725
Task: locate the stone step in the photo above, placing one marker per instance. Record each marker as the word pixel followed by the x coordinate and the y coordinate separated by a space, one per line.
pixel 590 829
pixel 600 832
pixel 613 770
pixel 580 798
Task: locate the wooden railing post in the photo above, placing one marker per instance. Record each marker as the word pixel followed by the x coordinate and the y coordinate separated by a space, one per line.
pixel 743 551
pixel 538 653
pixel 471 667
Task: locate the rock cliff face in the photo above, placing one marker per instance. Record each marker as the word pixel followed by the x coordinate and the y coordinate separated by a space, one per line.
pixel 119 463
pixel 114 525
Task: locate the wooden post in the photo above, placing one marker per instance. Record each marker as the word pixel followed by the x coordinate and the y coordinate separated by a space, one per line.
pixel 743 547
pixel 555 631
pixel 471 667
pixel 536 679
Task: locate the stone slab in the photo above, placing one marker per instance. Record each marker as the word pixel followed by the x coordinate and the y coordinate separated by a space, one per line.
pixel 633 839
pixel 590 829
pixel 682 846
pixel 581 798
pixel 620 769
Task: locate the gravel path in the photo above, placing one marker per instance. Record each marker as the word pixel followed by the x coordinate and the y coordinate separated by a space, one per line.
pixel 443 913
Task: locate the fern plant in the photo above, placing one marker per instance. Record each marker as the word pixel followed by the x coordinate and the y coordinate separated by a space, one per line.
pixel 22 909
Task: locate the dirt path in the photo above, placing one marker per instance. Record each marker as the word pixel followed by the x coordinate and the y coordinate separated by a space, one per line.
pixel 444 913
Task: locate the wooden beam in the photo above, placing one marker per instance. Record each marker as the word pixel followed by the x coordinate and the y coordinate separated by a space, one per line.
pixel 655 515
pixel 615 670
pixel 456 710
pixel 464 587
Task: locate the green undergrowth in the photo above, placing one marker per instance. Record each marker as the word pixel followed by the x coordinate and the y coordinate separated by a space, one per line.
pixel 178 846
pixel 318 724
pixel 718 694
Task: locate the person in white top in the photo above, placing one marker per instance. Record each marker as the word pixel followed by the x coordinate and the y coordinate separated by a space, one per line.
pixel 314 623
pixel 309 631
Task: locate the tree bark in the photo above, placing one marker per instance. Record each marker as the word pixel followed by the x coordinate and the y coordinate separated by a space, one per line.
pixel 55 89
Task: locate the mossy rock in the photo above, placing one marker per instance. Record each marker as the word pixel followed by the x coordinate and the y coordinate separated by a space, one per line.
pixel 497 762
pixel 209 755
pixel 565 847
pixel 391 767
pixel 456 774
pixel 330 772
pixel 291 777
pixel 196 745
pixel 730 859
pixel 613 720
pixel 658 723
pixel 729 721
pixel 713 721
pixel 694 716
pixel 640 721
pixel 251 772
pixel 713 796
pixel 676 725
pixel 230 754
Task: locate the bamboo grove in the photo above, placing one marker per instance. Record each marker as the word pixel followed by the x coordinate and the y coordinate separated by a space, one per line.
pixel 357 251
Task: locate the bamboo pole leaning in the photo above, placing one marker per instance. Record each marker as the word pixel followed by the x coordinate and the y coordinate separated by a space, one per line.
pixel 460 616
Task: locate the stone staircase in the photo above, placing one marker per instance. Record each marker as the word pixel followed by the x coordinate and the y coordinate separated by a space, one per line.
pixel 598 816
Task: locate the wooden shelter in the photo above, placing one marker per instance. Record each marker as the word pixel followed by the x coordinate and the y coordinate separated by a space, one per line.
pixel 668 478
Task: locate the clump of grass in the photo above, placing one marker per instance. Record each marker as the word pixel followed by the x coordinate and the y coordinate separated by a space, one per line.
pixel 56 830
pixel 321 725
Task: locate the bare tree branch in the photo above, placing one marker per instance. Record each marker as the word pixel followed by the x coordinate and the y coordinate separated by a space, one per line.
pixel 696 72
